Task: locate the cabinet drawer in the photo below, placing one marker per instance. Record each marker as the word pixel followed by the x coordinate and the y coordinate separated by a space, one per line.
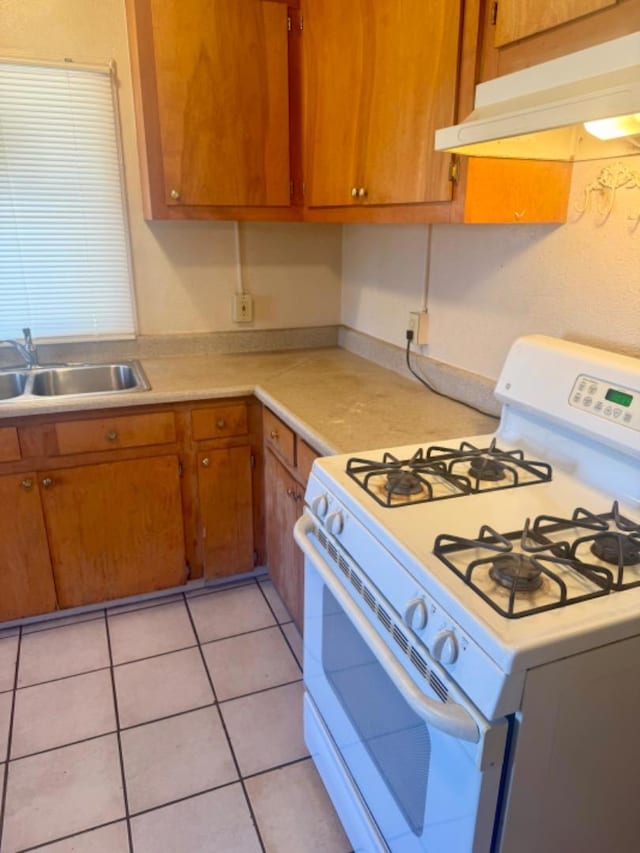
pixel 9 445
pixel 279 437
pixel 306 455
pixel 116 432
pixel 219 422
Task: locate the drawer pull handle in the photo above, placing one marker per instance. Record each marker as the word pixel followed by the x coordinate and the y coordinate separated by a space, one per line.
pixel 221 423
pixel 27 484
pixel 274 434
pixel 112 435
pixel 47 482
pixel 206 462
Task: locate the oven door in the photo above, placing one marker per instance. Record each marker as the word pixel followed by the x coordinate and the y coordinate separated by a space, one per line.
pixel 407 752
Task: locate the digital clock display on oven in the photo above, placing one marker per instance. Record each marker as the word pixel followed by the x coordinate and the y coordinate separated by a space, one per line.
pixel 618 397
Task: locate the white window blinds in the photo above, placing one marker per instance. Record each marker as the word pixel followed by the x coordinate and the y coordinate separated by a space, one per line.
pixel 64 255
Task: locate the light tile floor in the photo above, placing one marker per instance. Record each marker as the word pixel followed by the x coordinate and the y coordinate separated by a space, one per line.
pixel 169 726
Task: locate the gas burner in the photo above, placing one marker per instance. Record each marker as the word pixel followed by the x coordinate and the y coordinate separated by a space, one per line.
pixel 436 473
pixel 608 536
pixel 487 469
pixel 542 574
pixel 517 572
pixel 616 549
pixel 403 482
pixel 492 465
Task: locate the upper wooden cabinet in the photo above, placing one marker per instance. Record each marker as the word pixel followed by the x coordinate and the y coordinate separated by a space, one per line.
pixel 379 78
pixel 521 33
pixel 222 87
pixel 211 82
pixel 516 19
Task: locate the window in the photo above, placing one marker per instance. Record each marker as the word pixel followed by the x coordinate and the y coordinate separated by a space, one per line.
pixel 64 251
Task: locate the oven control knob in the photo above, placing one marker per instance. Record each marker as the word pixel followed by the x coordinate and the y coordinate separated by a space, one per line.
pixel 445 647
pixel 320 505
pixel 334 523
pixel 416 614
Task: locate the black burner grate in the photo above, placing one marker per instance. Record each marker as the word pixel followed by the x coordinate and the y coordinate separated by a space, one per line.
pixel 517 561
pixel 463 471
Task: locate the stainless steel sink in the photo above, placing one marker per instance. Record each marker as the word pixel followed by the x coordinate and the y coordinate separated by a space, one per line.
pixel 12 384
pixel 73 380
pixel 88 379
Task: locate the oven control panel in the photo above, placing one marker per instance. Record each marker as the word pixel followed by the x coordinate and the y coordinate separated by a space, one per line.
pixel 600 398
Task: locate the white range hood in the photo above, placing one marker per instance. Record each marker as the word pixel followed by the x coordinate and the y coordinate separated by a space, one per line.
pixel 539 113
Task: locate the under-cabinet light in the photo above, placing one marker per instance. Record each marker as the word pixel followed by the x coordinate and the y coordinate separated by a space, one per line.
pixel 614 128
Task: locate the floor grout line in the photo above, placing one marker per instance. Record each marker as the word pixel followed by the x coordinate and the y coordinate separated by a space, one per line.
pixel 281 625
pixel 3 800
pixel 71 835
pixel 62 678
pixel 226 734
pixel 117 714
pixel 259 691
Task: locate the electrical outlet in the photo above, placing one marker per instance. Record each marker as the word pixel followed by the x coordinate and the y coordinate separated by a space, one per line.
pixel 242 308
pixel 419 325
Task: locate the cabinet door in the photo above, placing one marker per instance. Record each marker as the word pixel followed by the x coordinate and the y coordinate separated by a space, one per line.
pixel 115 529
pixel 380 78
pixel 284 505
pixel 225 497
pixel 26 579
pixel 516 19
pixel 223 100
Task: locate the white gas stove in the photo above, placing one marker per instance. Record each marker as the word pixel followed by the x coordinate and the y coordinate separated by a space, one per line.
pixel 473 564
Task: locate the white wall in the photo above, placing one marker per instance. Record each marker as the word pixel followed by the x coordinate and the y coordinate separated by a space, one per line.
pixel 488 284
pixel 185 272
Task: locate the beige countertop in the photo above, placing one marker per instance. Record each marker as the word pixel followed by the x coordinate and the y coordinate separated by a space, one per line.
pixel 338 401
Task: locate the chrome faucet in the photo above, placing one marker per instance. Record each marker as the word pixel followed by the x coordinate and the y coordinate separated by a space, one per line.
pixel 27 350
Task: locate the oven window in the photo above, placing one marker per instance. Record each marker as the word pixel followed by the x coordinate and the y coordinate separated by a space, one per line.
pixel 396 739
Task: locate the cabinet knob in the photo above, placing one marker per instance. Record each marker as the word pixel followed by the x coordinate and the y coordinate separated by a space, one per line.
pixel 274 434
pixel 175 194
pixel 47 482
pixel 27 484
pixel 112 435
pixel 362 193
pixel 518 214
pixel 221 423
pixel 206 462
pixel 291 494
pixel 354 192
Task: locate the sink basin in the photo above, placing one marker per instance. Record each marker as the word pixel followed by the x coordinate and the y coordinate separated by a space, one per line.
pixel 88 379
pixel 12 385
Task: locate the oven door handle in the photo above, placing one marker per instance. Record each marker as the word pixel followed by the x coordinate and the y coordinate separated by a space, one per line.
pixel 450 718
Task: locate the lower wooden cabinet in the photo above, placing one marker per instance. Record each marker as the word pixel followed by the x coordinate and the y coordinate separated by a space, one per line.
pixel 107 506
pixel 284 505
pixel 26 579
pixel 225 502
pixel 115 529
pixel 287 465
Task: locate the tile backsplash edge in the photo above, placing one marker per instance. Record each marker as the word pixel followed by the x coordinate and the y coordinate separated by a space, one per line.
pixel 460 384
